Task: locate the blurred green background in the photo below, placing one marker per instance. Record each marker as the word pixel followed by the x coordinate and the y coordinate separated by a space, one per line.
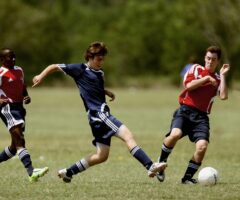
pixel 148 41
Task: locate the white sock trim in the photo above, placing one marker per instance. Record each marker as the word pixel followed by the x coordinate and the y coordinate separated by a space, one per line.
pixel 84 163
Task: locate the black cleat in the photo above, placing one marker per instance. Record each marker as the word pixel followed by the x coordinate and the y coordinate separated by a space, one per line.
pixel 190 181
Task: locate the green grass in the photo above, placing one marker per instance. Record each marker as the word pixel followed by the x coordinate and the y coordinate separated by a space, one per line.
pixel 58 135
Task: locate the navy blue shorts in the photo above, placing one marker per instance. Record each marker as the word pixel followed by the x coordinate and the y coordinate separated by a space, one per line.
pixel 13 114
pixel 103 126
pixel 192 122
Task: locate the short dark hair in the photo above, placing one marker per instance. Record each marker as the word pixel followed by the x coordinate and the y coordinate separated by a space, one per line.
pixel 215 49
pixel 96 49
pixel 4 51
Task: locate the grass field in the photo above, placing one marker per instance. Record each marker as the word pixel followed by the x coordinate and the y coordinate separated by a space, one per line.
pixel 58 135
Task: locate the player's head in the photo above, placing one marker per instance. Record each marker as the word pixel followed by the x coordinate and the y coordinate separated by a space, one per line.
pixel 95 54
pixel 212 57
pixel 95 49
pixel 8 57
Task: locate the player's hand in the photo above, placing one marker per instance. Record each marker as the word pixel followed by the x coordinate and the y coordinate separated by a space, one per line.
pixel 36 80
pixel 110 94
pixel 225 68
pixel 27 100
pixel 3 102
pixel 213 81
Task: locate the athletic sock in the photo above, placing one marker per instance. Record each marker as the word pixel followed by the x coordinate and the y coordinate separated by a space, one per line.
pixel 78 167
pixel 25 158
pixel 6 154
pixel 165 153
pixel 141 156
pixel 191 169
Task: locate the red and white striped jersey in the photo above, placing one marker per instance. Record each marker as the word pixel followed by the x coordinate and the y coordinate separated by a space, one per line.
pixel 203 96
pixel 12 84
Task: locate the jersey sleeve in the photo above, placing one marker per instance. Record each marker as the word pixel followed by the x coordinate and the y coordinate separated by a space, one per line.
pixel 195 72
pixel 73 70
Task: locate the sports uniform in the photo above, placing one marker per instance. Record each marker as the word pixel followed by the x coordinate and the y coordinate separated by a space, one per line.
pixel 91 87
pixel 192 117
pixel 202 84
pixel 89 78
pixel 12 88
pixel 13 93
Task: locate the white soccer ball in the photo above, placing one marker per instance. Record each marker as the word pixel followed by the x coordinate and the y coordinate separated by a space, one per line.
pixel 208 176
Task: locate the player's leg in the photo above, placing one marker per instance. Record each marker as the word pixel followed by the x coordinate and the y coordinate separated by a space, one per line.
pixel 201 148
pixel 167 147
pixel 169 143
pixel 8 153
pixel 101 155
pixel 199 135
pixel 176 132
pixel 125 134
pixel 195 162
pixel 19 143
pixel 23 154
pixel 13 115
pixel 173 136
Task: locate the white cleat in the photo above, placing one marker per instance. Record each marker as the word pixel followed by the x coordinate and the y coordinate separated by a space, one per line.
pixel 63 174
pixel 155 168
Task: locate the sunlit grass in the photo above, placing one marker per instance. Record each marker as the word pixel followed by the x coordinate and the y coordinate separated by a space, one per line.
pixel 58 135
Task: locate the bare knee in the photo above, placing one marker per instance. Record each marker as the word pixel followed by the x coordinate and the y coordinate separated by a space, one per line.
pixel 174 136
pixel 201 149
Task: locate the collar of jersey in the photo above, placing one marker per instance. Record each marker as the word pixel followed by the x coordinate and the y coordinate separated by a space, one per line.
pixel 14 67
pixel 88 67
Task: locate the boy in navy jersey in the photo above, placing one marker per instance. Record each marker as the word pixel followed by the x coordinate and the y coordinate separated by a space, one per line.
pixel 13 93
pixel 201 85
pixel 89 78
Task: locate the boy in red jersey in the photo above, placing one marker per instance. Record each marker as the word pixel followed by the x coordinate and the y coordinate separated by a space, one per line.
pixel 13 93
pixel 201 85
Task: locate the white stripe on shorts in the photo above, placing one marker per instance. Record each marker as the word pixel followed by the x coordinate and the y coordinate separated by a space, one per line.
pixel 108 122
pixel 11 121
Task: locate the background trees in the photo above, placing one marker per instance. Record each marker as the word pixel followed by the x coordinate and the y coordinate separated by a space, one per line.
pixel 145 38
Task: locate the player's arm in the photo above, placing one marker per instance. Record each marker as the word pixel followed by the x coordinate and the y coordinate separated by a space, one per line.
pixel 110 94
pixel 223 90
pixel 48 70
pixel 26 97
pixel 194 84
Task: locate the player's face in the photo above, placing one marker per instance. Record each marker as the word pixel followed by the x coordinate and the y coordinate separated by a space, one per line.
pixel 9 59
pixel 96 62
pixel 211 61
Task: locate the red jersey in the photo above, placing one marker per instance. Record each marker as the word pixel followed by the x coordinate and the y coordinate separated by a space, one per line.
pixel 12 85
pixel 202 97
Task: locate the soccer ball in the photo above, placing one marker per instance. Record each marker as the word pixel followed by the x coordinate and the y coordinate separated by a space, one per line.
pixel 208 176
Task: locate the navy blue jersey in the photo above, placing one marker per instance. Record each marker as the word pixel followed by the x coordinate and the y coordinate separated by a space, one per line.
pixel 90 83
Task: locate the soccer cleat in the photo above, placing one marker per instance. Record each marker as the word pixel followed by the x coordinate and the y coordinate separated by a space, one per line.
pixel 156 167
pixel 63 174
pixel 190 181
pixel 161 176
pixel 37 173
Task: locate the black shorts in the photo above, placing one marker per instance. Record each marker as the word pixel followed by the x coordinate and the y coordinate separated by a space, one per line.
pixel 192 122
pixel 103 126
pixel 13 114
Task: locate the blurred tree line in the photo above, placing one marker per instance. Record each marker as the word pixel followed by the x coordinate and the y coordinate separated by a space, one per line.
pixel 145 38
